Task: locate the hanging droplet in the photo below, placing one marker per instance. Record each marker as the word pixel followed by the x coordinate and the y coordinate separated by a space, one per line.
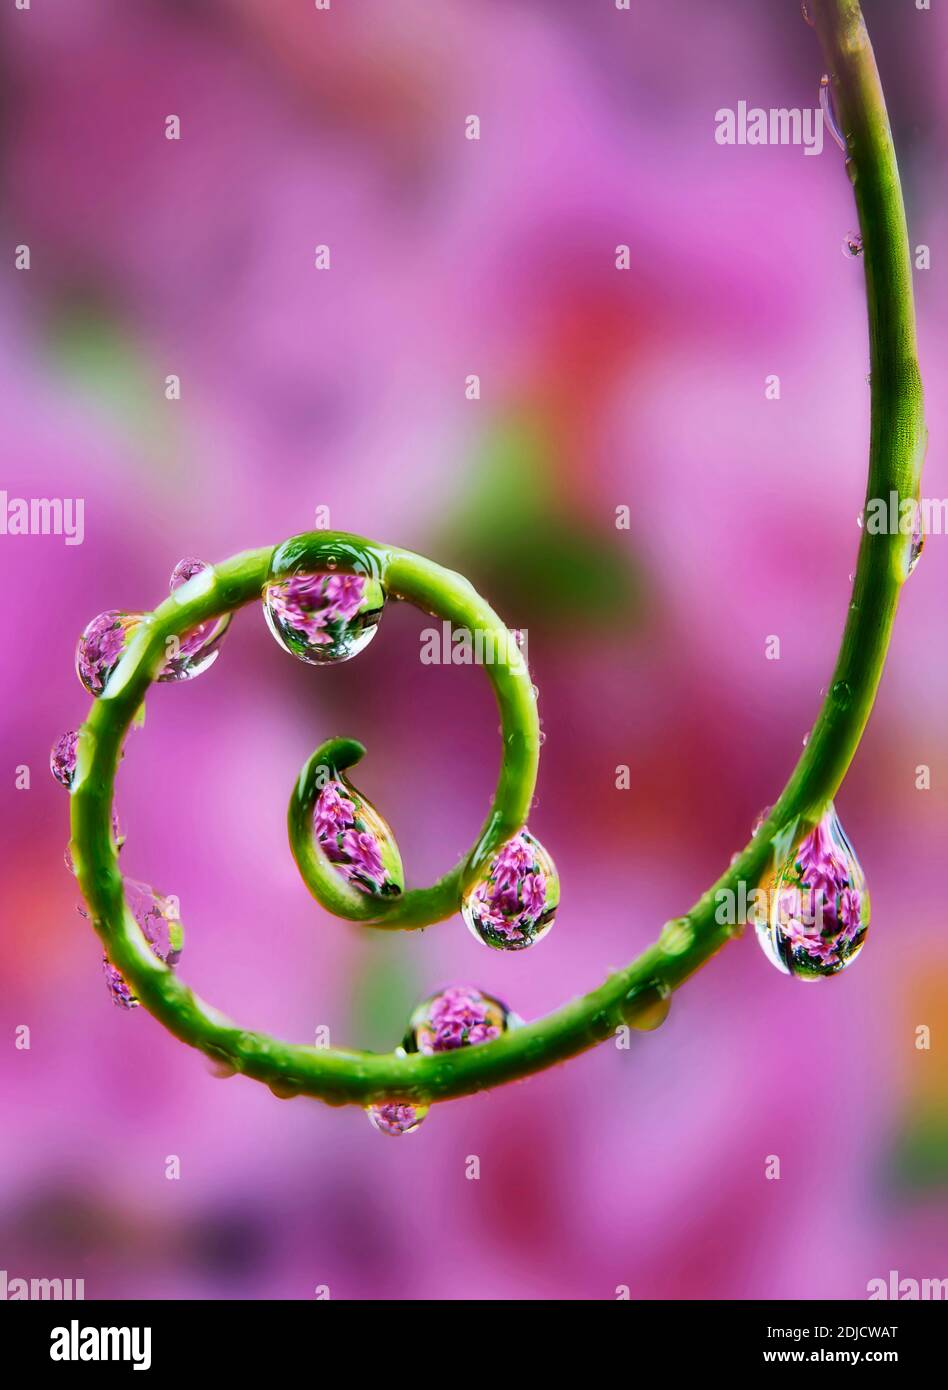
pixel 394 1119
pixel 158 919
pixel 829 113
pixel 62 759
pixel 817 905
pixel 199 648
pixel 805 10
pixel 357 840
pixel 852 245
pixel 324 615
pixel 457 1017
pixel 102 646
pixel 647 1007
pixel 512 903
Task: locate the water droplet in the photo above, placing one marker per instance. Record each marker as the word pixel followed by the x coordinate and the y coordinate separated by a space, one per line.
pixel 512 903
pixel 842 693
pixel 102 646
pixel 917 544
pixel 818 905
pixel 517 635
pixel 324 615
pixel 459 1016
pixel 806 739
pixel 676 936
pixel 852 245
pixel 762 819
pixel 392 1118
pixel 542 737
pixel 647 1007
pixel 805 11
pixel 62 759
pixel 357 840
pixel 859 519
pixel 157 917
pixel 199 648
pixel 829 112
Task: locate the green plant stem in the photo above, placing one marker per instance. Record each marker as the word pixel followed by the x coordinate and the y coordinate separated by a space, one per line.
pixel 637 994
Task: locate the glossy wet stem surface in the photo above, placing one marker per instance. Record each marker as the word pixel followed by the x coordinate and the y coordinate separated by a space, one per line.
pixel 635 994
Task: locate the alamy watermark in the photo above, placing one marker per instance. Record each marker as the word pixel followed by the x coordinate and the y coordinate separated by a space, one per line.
pixel 462 646
pixel 15 1289
pixel 43 516
pixel 776 126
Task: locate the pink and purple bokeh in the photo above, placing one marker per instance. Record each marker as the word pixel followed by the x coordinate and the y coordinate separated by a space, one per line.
pixel 345 389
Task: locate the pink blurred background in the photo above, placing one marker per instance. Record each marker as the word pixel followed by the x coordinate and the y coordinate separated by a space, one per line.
pixel 345 389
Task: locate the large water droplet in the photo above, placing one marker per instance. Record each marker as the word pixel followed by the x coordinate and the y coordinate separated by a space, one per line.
pixel 157 916
pixel 357 840
pixel 392 1118
pixel 457 1017
pixel 512 903
pixel 102 646
pixel 323 616
pixel 829 112
pixel 199 648
pixel 852 245
pixel 62 759
pixel 817 905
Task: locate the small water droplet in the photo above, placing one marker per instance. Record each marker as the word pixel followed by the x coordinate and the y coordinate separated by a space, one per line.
pixel 158 920
pixel 459 1016
pixel 829 112
pixel 102 646
pixel 805 10
pixel 542 737
pixel 676 936
pixel 852 245
pixel 806 739
pixel 859 519
pixel 357 840
pixel 842 693
pixel 323 617
pixel 198 649
pixel 512 903
pixel 818 904
pixel 647 1006
pixel 62 759
pixel 917 543
pixel 395 1119
pixel 517 634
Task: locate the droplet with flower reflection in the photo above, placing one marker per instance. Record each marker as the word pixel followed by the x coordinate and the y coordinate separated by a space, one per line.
pixel 459 1016
pixel 852 245
pixel 357 841
pixel 394 1118
pixel 512 903
pixel 102 646
pixel 817 904
pixel 326 616
pixel 62 758
pixel 157 916
pixel 199 648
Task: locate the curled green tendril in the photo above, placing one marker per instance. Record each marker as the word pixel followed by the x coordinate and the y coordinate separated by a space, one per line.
pixel 637 994
pixel 449 596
